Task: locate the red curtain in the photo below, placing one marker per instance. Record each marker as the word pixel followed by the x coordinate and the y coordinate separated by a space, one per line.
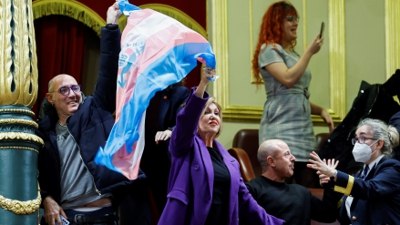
pixel 60 49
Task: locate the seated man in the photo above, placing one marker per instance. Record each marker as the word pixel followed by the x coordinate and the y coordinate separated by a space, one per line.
pixel 291 202
pixel 73 128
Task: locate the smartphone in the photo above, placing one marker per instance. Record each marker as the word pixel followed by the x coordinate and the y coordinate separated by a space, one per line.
pixel 322 29
pixel 64 221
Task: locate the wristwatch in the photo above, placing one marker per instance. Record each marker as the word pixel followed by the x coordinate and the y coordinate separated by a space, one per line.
pixel 333 177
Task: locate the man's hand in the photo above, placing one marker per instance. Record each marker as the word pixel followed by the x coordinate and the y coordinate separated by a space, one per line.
pixel 163 135
pixel 323 179
pixel 52 211
pixel 113 13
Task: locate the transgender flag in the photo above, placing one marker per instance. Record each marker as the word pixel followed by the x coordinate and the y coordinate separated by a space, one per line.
pixel 156 51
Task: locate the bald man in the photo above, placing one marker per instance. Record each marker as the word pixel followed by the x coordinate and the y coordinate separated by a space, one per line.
pixel 291 202
pixel 73 128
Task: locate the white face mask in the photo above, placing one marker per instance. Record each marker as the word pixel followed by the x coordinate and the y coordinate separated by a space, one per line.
pixel 362 152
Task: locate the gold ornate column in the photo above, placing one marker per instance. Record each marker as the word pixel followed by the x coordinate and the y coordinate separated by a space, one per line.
pixel 19 146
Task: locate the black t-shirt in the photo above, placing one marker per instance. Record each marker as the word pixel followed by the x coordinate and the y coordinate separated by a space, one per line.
pixel 220 203
pixel 291 202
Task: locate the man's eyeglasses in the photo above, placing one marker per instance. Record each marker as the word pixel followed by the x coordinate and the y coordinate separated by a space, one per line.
pixel 361 140
pixel 293 19
pixel 65 90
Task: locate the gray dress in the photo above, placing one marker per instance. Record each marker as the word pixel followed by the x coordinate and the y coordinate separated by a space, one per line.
pixel 287 113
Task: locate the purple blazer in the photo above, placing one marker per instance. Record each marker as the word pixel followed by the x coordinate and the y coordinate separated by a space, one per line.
pixel 191 178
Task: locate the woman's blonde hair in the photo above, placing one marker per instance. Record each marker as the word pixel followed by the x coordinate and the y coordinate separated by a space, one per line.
pixel 210 101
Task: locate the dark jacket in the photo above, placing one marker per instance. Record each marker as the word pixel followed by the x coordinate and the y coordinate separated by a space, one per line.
pixel 156 160
pixel 376 199
pixel 173 100
pixel 90 127
pixel 395 121
pixel 373 101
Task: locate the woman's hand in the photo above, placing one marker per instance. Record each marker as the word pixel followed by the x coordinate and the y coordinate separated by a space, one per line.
pixel 163 135
pixel 328 120
pixel 325 167
pixel 315 45
pixel 206 74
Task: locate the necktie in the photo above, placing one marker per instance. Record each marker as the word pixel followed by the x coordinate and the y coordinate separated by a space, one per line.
pixel 365 172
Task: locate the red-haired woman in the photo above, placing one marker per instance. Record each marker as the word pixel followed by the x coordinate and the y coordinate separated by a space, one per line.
pixel 287 111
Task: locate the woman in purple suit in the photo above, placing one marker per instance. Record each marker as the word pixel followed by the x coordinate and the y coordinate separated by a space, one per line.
pixel 205 186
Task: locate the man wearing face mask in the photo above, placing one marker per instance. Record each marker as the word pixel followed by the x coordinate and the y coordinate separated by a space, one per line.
pixel 372 195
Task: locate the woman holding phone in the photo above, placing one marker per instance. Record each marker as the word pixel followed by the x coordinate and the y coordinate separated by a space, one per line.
pixel 287 111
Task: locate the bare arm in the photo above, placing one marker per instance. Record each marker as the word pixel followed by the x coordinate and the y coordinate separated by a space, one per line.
pixel 290 76
pixel 319 111
pixel 187 120
pixel 204 81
